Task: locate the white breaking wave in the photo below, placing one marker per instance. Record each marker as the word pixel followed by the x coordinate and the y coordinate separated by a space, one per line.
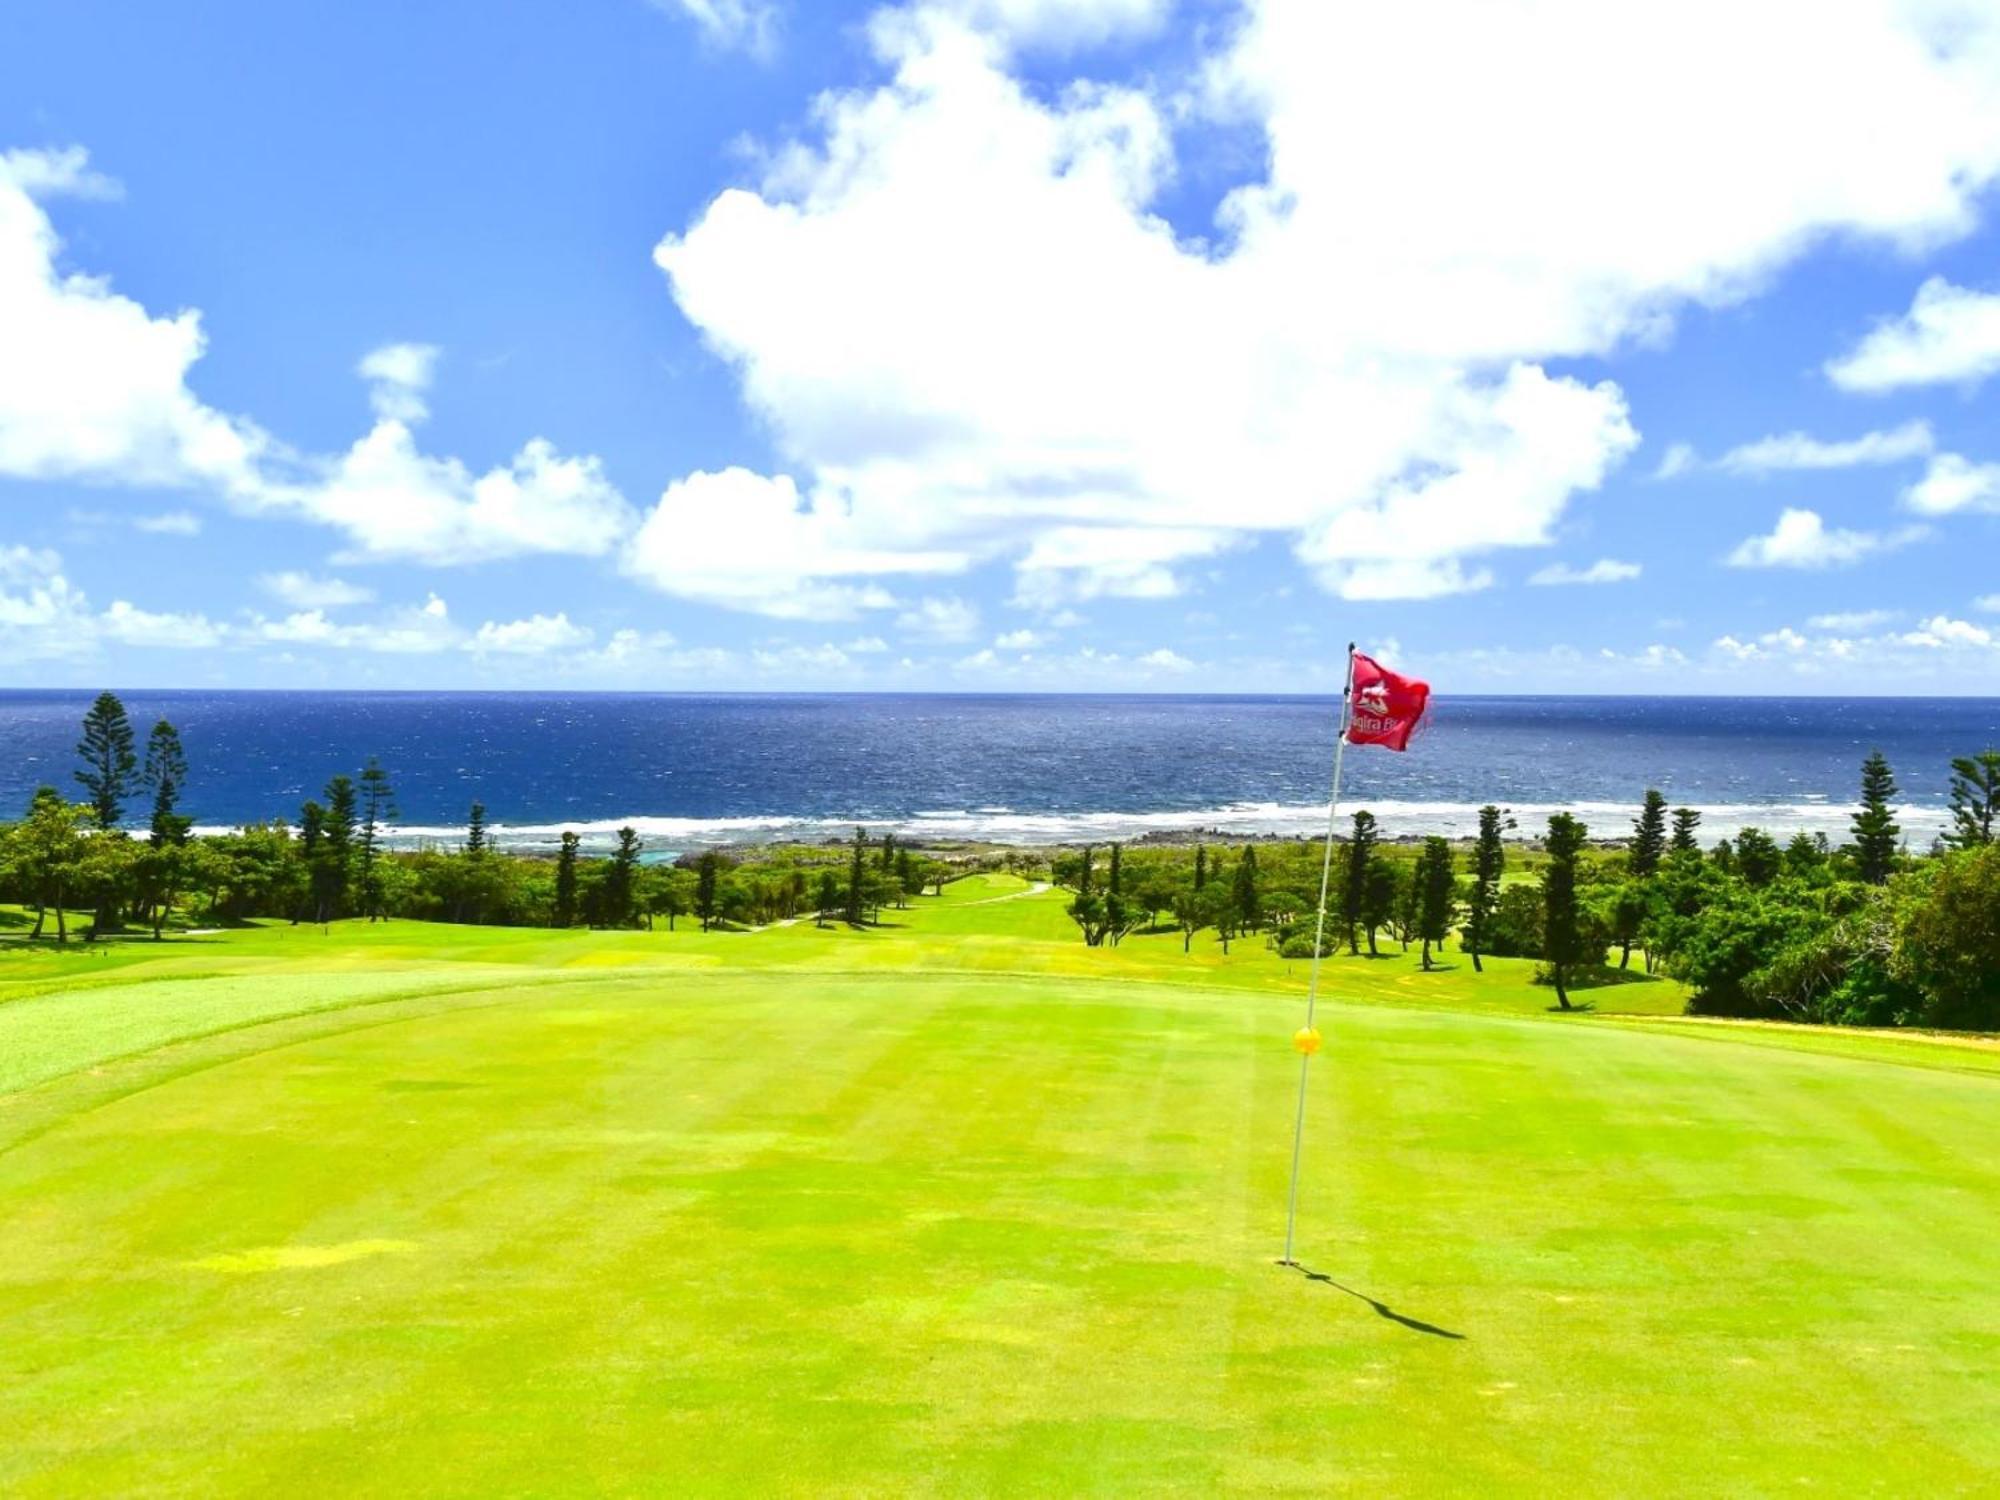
pixel 1398 819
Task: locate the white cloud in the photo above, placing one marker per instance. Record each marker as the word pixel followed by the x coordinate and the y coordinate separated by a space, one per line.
pixel 749 25
pixel 395 502
pixel 43 615
pixel 867 645
pixel 1941 632
pixel 1604 570
pixel 415 631
pixel 1990 603
pixel 748 541
pixel 130 626
pixel 1166 660
pixel 169 523
pixel 538 635
pixel 1020 640
pixel 1126 562
pixel 1801 539
pixel 304 591
pixel 1853 619
pixel 957 310
pixel 1676 461
pixel 398 377
pixel 1953 483
pixel 1055 24
pixel 940 619
pixel 94 388
pixel 1949 334
pixel 1797 450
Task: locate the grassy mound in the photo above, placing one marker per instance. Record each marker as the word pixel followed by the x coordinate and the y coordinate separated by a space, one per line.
pixel 960 1206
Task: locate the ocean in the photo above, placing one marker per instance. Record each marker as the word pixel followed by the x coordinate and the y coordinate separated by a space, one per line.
pixel 688 770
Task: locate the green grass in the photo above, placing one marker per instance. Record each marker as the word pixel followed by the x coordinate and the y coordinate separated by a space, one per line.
pixel 958 1206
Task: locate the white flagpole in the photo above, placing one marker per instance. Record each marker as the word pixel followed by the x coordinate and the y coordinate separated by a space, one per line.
pixel 1319 942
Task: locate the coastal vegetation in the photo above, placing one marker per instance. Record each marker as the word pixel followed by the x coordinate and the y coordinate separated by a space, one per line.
pixel 1865 933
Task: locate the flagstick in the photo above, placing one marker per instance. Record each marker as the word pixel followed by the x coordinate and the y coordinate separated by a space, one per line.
pixel 1319 942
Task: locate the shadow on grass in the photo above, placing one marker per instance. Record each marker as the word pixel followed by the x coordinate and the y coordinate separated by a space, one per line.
pixel 1576 1008
pixel 1382 1309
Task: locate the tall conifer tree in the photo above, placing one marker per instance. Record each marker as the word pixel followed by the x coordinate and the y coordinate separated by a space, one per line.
pixel 1876 831
pixel 108 759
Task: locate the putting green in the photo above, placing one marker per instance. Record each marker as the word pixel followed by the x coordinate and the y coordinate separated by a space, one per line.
pixel 824 1213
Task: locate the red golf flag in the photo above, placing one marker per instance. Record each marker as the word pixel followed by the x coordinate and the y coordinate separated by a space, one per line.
pixel 1387 707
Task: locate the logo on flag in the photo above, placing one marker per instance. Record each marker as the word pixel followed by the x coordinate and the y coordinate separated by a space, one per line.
pixel 1387 706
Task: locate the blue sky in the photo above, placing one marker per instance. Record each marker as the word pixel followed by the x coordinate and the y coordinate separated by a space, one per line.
pixel 993 344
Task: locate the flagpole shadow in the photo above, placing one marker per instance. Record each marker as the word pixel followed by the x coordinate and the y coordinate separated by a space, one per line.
pixel 1382 1309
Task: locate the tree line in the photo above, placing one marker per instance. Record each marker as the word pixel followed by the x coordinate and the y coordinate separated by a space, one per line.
pixel 1866 932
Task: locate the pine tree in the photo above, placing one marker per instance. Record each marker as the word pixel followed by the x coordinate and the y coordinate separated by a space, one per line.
pixel 1381 893
pixel 621 879
pixel 378 802
pixel 857 878
pixel 565 906
pixel 1876 832
pixel 477 841
pixel 108 760
pixel 1489 862
pixel 708 888
pixel 1354 892
pixel 164 775
pixel 1975 799
pixel 1562 939
pixel 1437 876
pixel 1687 825
pixel 1244 895
pixel 1200 866
pixel 1649 837
pixel 1114 896
pixel 312 833
pixel 887 859
pixel 337 845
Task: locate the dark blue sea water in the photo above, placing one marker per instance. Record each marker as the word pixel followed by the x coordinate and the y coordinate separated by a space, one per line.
pixel 689 769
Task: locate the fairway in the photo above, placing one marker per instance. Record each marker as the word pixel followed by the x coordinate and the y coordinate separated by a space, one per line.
pixel 960 1206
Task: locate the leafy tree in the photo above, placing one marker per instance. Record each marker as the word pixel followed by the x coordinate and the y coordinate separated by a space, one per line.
pixel 1975 799
pixel 1088 910
pixel 1687 826
pixel 45 851
pixel 164 775
pixel 108 760
pixel 1354 902
pixel 828 898
pixel 1515 930
pixel 1562 937
pixel 1875 829
pixel 1625 907
pixel 1489 862
pixel 1757 858
pixel 564 913
pixel 1436 884
pixel 1649 837
pixel 1948 940
pixel 1805 855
